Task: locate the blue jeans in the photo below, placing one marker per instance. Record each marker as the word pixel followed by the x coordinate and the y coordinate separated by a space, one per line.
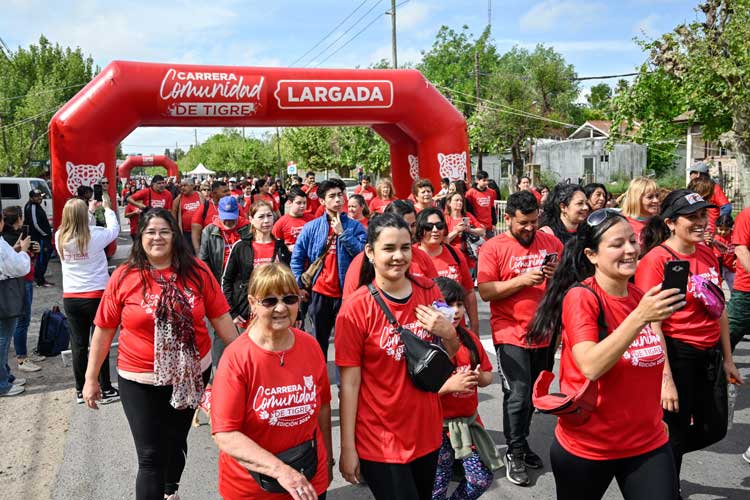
pixel 7 327
pixel 22 328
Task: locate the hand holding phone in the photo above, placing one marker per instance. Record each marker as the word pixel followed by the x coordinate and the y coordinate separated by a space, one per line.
pixel 676 273
pixel 24 231
pixel 98 192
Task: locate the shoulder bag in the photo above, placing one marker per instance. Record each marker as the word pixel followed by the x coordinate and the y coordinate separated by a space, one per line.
pixel 307 277
pixel 427 364
pixel 706 291
pixel 302 458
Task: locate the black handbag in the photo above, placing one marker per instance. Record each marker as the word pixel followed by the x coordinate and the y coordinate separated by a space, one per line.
pixel 427 364
pixel 302 458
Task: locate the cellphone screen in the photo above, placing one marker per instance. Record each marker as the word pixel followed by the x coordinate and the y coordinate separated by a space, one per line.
pixel 98 192
pixel 549 258
pixel 24 231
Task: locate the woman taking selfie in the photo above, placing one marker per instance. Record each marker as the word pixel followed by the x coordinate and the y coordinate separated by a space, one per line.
pixel 271 393
pixel 83 260
pixel 160 299
pixel 623 437
pixel 461 224
pixel 395 450
pixel 696 336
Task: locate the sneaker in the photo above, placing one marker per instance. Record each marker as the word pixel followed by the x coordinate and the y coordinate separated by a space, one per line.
pixel 28 366
pixel 109 396
pixel 746 455
pixel 79 397
pixel 532 460
pixel 36 357
pixel 15 390
pixel 19 381
pixel 173 496
pixel 515 469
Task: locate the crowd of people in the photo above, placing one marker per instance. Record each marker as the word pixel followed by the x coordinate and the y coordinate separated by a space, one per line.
pixel 252 279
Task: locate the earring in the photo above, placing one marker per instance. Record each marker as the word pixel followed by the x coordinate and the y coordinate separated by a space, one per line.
pixel 372 261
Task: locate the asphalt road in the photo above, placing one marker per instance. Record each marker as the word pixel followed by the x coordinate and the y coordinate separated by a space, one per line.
pixel 99 459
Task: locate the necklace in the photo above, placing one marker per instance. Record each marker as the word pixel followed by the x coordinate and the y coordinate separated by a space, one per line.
pixel 279 354
pixel 281 357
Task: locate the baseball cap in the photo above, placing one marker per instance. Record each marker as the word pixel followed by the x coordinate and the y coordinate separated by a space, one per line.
pixel 700 167
pixel 157 178
pixel 233 179
pixel 228 208
pixel 187 180
pixel 683 202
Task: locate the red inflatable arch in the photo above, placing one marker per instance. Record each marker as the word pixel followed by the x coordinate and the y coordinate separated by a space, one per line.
pixel 426 134
pixel 132 162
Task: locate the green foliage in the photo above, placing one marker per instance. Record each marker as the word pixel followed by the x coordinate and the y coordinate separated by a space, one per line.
pixel 34 83
pixel 231 153
pixel 599 96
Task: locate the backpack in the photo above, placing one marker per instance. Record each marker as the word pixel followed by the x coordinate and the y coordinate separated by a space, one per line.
pixel 54 333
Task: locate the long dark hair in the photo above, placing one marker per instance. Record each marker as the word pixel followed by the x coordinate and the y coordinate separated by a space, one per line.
pixel 184 263
pixel 453 292
pixel 562 194
pixel 422 217
pixel 573 268
pixel 376 226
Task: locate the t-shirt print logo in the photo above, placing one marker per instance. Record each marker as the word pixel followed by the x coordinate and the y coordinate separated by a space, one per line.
pixel 645 351
pixel 287 405
pixel 390 340
pixel 520 264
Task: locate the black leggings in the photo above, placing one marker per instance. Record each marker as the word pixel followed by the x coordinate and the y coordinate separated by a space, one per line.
pixel 650 476
pixel 160 435
pixel 80 314
pixel 410 481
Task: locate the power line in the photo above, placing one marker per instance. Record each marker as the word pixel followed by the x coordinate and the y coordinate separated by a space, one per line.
pixel 377 2
pixel 329 33
pixel 374 20
pixel 42 92
pixel 605 77
pixel 28 119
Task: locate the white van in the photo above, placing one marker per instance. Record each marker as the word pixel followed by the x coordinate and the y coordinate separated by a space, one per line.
pixel 15 191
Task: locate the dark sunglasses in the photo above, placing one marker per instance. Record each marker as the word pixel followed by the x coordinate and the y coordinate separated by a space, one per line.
pixel 270 302
pixel 601 215
pixel 429 226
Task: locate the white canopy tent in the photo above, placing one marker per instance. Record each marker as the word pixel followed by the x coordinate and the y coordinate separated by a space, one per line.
pixel 200 170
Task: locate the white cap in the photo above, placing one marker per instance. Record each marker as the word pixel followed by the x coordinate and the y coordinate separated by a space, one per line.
pixel 233 179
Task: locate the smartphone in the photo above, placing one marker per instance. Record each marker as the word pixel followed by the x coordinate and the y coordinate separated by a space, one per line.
pixel 676 274
pixel 24 232
pixel 98 192
pixel 549 258
pixel 467 221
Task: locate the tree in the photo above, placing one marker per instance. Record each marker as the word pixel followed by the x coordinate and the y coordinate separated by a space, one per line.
pixel 231 153
pixel 34 83
pixel 599 96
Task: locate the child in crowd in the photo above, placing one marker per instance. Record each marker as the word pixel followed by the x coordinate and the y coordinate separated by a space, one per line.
pixel 464 436
pixel 724 249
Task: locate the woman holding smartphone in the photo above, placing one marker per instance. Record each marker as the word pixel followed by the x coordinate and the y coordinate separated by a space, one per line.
pixel 395 450
pixel 461 224
pixel 693 337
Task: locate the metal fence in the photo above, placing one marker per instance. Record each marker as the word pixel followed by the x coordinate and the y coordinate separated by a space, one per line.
pixel 729 179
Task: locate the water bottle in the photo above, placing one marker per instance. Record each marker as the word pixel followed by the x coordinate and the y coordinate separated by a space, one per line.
pixel 731 400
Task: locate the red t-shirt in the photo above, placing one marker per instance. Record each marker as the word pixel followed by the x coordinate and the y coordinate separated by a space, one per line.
pixel 368 193
pixel 627 420
pixel 457 242
pixel 275 406
pixel 421 266
pixel 189 204
pixel 313 201
pixel 691 324
pixel 741 236
pixel 377 205
pixel 263 253
pixel 464 404
pixel 637 225
pixel 287 228
pixel 364 221
pixel 328 280
pixel 230 236
pixel 212 213
pixel 724 251
pixel 152 199
pixel 134 218
pixel 719 199
pixel 123 304
pixel 447 266
pixel 396 422
pixel 482 202
pixel 264 197
pixel 503 258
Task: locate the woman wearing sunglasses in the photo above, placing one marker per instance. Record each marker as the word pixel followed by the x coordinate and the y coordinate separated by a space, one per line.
pixel 623 437
pixel 697 336
pixel 431 234
pixel 390 429
pixel 246 255
pixel 160 299
pixel 270 394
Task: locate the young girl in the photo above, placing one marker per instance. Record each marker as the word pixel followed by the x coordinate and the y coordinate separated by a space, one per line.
pixel 458 397
pixel 724 249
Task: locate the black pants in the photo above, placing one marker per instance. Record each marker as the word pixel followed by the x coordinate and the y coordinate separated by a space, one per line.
pixel 42 260
pixel 518 369
pixel 690 367
pixel 650 476
pixel 81 314
pixel 410 481
pixel 160 435
pixel 323 310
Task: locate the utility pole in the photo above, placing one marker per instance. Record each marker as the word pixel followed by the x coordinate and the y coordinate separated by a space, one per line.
pixel 476 108
pixel 393 34
pixel 196 136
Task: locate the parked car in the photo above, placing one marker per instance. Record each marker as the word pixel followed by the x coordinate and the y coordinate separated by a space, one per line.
pixel 351 185
pixel 15 191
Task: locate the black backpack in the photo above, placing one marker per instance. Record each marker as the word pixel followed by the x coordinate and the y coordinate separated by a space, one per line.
pixel 54 333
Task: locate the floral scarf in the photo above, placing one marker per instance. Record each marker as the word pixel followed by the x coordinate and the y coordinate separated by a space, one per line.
pixel 176 356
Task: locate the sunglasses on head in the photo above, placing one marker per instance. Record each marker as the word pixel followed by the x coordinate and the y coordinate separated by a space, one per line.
pixel 270 302
pixel 601 215
pixel 429 226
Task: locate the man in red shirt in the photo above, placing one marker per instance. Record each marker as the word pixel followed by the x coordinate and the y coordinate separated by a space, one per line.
pixel 311 188
pixel 234 188
pixel 155 196
pixel 513 270
pixel 185 205
pixel 289 226
pixel 207 212
pixel 365 189
pixel 483 202
pixel 738 309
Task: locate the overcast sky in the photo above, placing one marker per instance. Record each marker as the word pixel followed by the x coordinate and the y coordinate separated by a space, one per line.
pixel 595 36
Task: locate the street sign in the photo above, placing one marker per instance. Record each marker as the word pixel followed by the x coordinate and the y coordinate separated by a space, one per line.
pixel 291 168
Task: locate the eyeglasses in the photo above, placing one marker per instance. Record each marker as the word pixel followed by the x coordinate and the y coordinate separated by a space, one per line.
pixel 429 226
pixel 164 233
pixel 205 189
pixel 270 302
pixel 601 215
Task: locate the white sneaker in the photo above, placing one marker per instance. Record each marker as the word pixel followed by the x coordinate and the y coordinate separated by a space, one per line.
pixel 173 496
pixel 746 455
pixel 36 358
pixel 28 366
pixel 19 381
pixel 14 390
